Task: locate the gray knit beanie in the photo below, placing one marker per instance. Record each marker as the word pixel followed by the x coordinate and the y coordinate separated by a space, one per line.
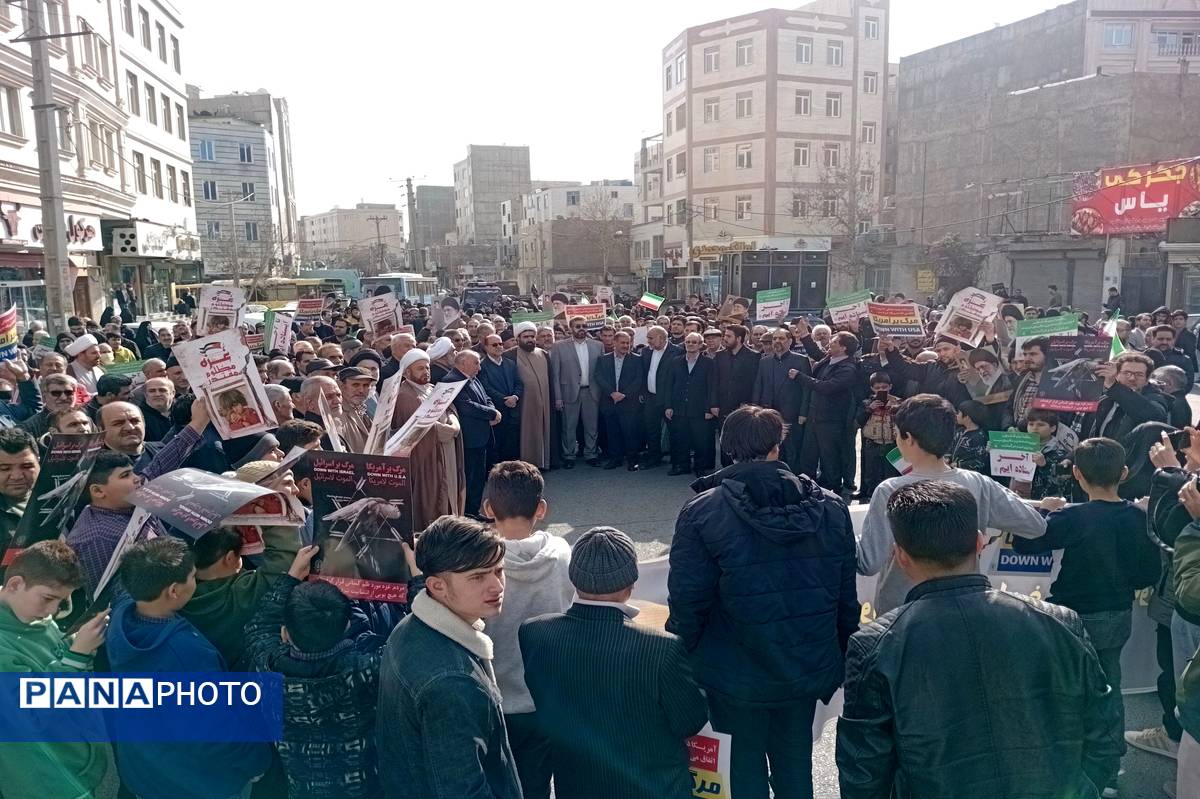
pixel 603 561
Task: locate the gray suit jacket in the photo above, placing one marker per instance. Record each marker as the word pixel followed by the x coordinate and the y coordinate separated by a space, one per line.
pixel 565 364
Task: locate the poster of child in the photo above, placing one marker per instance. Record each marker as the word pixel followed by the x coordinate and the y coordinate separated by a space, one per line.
pixel 235 409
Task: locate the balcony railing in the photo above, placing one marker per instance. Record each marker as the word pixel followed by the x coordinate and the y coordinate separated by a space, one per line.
pixel 1179 49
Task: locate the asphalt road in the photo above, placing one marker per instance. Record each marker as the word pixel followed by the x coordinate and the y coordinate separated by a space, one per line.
pixel 645 504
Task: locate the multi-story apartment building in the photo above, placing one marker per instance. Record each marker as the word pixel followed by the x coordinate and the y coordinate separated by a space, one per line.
pixel 488 176
pixel 511 218
pixel 270 112
pixel 646 234
pixel 435 215
pixel 995 129
pixel 355 236
pixel 160 246
pixel 237 190
pixel 596 200
pixel 772 131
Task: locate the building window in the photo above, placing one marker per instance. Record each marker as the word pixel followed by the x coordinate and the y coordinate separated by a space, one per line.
pixel 744 106
pixel 127 16
pixel 96 143
pixel 180 123
pixel 65 140
pixel 572 198
pixel 799 207
pixel 139 172
pixel 833 156
pixel 166 111
pixel 10 111
pixel 208 190
pixel 175 55
pixel 132 94
pixel 829 206
pixel 871 28
pixel 144 22
pixel 667 129
pixel 156 177
pixel 248 192
pixel 161 32
pixel 1118 35
pixel 151 105
pixel 680 164
pixel 681 211
pixel 870 82
pixel 213 230
pixel 103 60
pixel 187 187
pixel 712 109
pixel 742 206
pixel 863 227
pixel 670 169
pixel 670 213
pixel 745 52
pixel 712 59
pixel 712 159
pixel 868 133
pixel 833 104
pixel 800 154
pixel 744 156
pixel 206 150
pixel 110 149
pixel 246 153
pixel 667 81
pixel 866 183
pixel 803 103
pixel 804 48
pixel 251 231
pixel 711 206
pixel 172 184
pixel 680 69
pixel 681 117
pixel 833 53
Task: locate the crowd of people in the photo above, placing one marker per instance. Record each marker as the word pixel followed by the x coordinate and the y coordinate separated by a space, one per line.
pixel 518 666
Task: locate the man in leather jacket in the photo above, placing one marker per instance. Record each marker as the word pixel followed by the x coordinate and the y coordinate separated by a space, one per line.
pixel 1019 673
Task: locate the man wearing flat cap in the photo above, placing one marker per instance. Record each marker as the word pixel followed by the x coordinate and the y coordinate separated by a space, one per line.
pixel 619 725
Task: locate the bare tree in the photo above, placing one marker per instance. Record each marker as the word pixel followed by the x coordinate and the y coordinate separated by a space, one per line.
pixel 252 259
pixel 606 230
pixel 843 203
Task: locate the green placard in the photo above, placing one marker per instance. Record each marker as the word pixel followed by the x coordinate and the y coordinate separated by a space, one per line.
pixel 1067 324
pixel 1013 442
pixel 845 300
pixel 533 316
pixel 130 368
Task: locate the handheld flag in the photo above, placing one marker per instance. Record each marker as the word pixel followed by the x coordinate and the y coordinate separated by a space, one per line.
pixel 651 301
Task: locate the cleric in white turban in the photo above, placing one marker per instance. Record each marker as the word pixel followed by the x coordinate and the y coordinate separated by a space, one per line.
pixel 441 358
pixel 412 356
pixel 85 361
pixel 521 327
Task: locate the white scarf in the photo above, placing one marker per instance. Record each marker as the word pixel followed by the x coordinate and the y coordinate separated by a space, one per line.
pixel 469 636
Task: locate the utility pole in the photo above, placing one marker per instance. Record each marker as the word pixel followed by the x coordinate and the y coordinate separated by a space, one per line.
pixel 237 264
pixel 379 240
pixel 59 294
pixel 415 262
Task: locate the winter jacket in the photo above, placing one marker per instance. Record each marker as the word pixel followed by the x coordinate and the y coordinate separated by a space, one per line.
pixel 47 770
pixel 971 691
pixel 762 585
pixel 190 770
pixel 1121 409
pixel 735 376
pixel 1186 569
pixel 535 583
pixel 329 699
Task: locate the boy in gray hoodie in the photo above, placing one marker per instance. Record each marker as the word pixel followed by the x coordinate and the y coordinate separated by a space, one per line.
pixel 535 568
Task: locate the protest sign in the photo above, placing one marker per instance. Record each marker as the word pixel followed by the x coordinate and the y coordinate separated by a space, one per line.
pixel 219 308
pixel 253 341
pixel 641 336
pixel 1065 325
pixel 308 309
pixel 385 408
pixel 132 532
pixel 708 762
pixel 898 320
pixel 362 506
pixel 127 368
pixel 444 314
pixel 898 462
pixel 734 309
pixel 1069 382
pixel 220 369
pixel 603 294
pixel 846 308
pixel 1001 558
pixel 1012 454
pixel 50 511
pixel 381 314
pixel 593 314
pixel 277 327
pixel 8 334
pixel 193 500
pixel 967 311
pixel 651 301
pixel 277 508
pixel 430 410
pixel 771 305
pixel 537 317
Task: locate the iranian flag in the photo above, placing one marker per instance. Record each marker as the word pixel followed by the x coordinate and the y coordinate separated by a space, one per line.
pixel 651 301
pixel 1110 330
pixel 898 463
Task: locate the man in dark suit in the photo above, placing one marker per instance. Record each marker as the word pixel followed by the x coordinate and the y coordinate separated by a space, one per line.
pixel 776 387
pixel 477 416
pixel 614 664
pixel 503 385
pixel 833 382
pixel 622 381
pixel 736 369
pixel 691 396
pixel 656 358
